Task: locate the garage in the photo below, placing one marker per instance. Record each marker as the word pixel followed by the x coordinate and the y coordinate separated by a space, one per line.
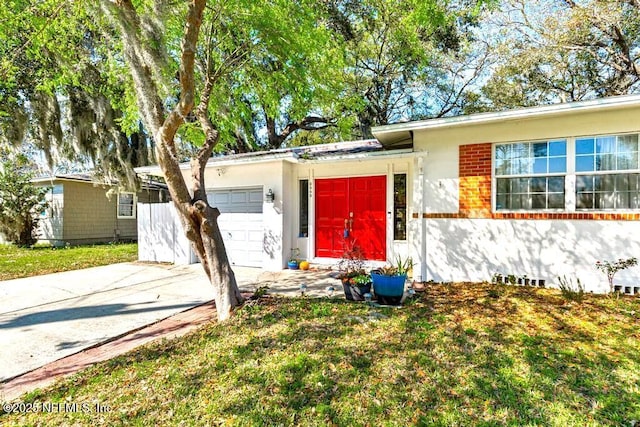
pixel 240 223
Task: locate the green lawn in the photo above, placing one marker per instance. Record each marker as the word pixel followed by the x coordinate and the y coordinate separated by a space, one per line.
pixel 24 262
pixel 462 354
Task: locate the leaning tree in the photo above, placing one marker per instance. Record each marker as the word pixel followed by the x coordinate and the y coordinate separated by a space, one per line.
pixel 75 75
pixel 180 86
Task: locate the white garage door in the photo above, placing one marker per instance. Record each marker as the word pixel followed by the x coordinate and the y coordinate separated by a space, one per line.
pixel 240 222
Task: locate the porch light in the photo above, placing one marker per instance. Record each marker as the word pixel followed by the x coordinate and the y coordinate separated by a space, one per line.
pixel 269 197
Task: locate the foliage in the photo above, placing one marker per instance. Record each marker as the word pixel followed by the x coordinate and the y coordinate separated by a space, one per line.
pixel 352 262
pixel 403 265
pixel 571 291
pixel 361 279
pixel 26 262
pixel 560 51
pixel 63 87
pixel 400 267
pixel 406 59
pixel 20 202
pixel 295 255
pixel 610 268
pixel 279 69
pixel 497 278
pixel 454 357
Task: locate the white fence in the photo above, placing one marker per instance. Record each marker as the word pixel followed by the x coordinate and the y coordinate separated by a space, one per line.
pixel 160 235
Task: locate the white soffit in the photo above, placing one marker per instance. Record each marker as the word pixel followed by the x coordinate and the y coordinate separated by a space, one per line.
pixel 392 134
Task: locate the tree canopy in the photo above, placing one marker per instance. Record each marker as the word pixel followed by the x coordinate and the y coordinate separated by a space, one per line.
pixel 339 66
pixel 563 50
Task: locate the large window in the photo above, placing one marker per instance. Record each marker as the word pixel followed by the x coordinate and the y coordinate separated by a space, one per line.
pixel 608 191
pixel 126 205
pixel 530 175
pixel 602 172
pixel 600 185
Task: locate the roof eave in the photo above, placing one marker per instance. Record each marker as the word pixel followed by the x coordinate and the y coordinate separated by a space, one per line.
pixel 391 134
pixel 383 154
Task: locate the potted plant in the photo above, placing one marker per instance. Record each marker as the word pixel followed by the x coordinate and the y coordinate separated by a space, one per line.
pixel 355 280
pixel 389 281
pixel 355 287
pixel 293 259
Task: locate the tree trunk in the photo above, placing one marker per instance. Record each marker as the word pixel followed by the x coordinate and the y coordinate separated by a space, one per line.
pixel 220 272
pixel 198 219
pixel 200 224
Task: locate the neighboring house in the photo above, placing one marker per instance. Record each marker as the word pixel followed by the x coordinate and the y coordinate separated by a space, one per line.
pixel 82 211
pixel 542 192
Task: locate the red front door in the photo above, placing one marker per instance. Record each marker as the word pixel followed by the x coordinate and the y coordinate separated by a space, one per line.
pixel 351 211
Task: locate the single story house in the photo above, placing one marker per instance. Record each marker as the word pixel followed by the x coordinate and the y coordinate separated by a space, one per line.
pixel 541 192
pixel 82 211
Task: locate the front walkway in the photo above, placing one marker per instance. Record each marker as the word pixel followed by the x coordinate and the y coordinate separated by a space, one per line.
pixel 288 282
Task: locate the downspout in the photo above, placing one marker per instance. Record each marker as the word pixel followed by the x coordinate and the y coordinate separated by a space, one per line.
pixel 423 229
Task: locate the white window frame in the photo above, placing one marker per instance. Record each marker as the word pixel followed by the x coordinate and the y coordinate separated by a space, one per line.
pixel 570 177
pixel 604 173
pixel 133 207
pixel 494 176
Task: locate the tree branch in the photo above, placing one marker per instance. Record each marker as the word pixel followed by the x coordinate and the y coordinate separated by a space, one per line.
pixel 309 123
pixel 199 162
pixel 187 63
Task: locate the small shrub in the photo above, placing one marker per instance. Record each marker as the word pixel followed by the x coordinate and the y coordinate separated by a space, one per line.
pixel 611 268
pixel 571 292
pixel 493 293
pixel 260 292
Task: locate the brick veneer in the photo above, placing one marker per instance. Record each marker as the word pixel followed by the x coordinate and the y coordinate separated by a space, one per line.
pixel 475 180
pixel 475 193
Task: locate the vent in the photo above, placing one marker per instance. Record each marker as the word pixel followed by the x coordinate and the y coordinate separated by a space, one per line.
pixel 627 290
pixel 511 279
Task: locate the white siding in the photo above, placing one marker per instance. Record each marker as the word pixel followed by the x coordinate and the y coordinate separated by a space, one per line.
pixel 475 249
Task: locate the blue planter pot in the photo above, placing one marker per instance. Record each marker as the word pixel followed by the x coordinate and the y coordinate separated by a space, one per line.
pixel 388 289
pixel 293 265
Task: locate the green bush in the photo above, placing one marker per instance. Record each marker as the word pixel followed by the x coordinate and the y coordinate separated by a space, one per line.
pixel 20 202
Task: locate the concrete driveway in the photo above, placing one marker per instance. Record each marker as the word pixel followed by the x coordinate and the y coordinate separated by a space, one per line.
pixel 48 317
pixel 45 318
